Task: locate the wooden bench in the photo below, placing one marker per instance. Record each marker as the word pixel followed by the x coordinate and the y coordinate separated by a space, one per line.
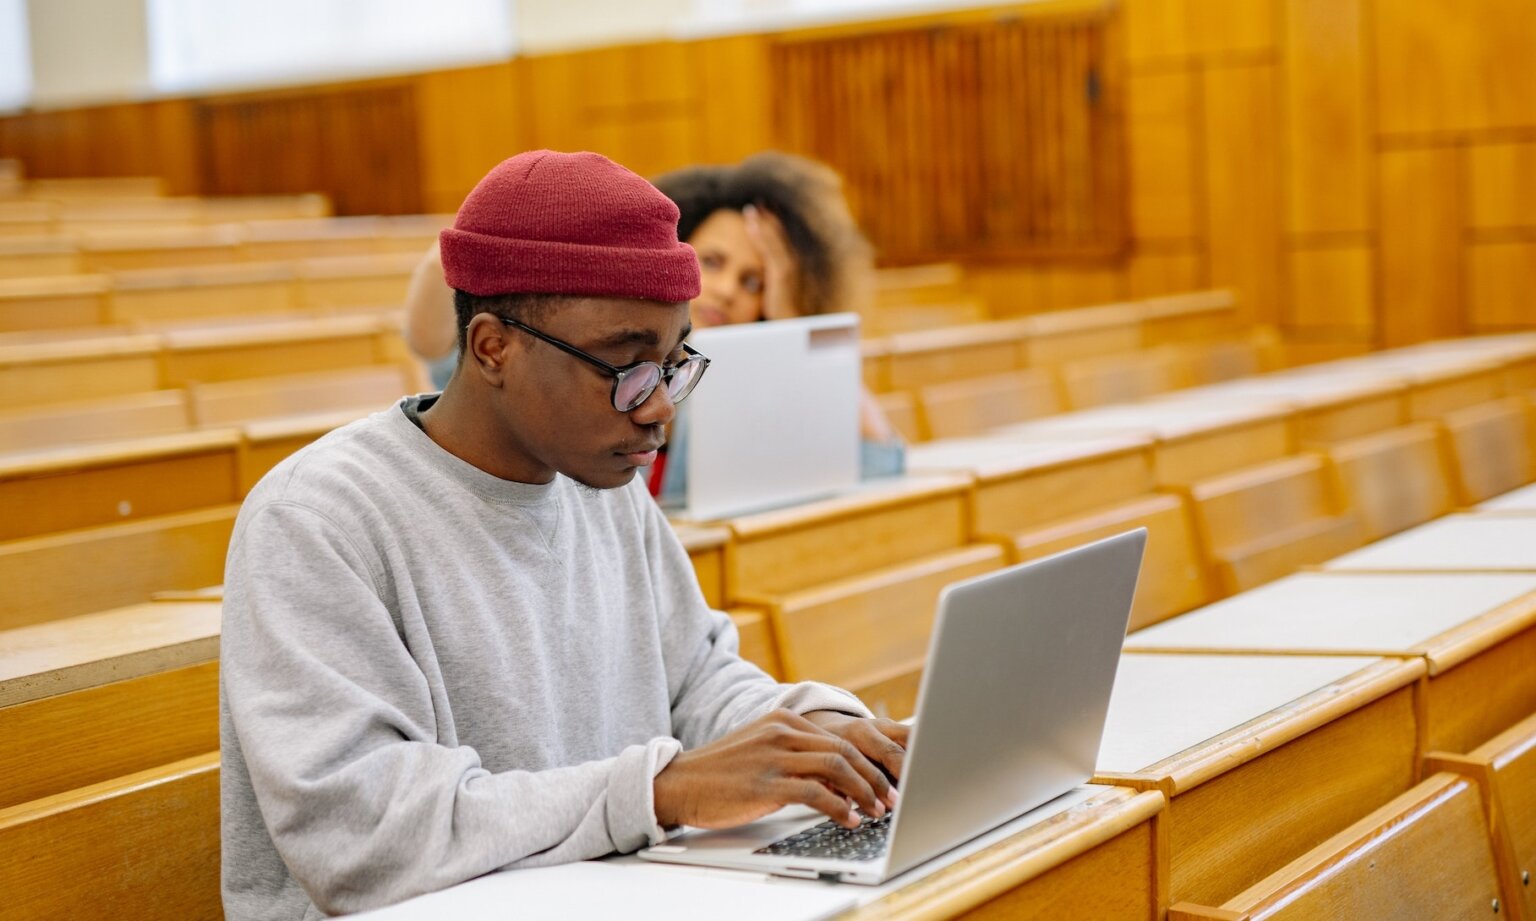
pixel 94 187
pixel 970 407
pixel 1267 521
pixel 364 389
pixel 207 356
pixel 1455 543
pixel 40 256
pixel 172 247
pixel 353 281
pixel 1262 757
pixel 902 411
pixel 72 370
pixel 707 550
pixel 1091 382
pixel 86 485
pixel 86 699
pixel 92 569
pixel 327 237
pixel 1038 497
pixel 1505 769
pixel 937 283
pixel 197 292
pixel 887 319
pixel 1424 856
pixel 1182 318
pixel 1393 480
pixel 1328 405
pixel 64 302
pixel 758 645
pixel 1474 634
pixel 1085 332
pixel 919 359
pixel 146 844
pixel 1492 448
pixel 136 415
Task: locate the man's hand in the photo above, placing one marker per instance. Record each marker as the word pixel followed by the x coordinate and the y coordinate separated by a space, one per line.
pixel 780 760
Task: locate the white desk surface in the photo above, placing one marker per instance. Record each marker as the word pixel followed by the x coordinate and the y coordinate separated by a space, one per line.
pixel 1521 500
pixel 1334 613
pixel 636 890
pixel 1300 390
pixel 1466 543
pixel 1165 704
pixel 1171 418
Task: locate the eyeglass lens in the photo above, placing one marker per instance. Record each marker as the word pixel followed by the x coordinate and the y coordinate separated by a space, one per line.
pixel 637 386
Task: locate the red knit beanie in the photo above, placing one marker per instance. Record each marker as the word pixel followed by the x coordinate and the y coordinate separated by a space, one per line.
pixel 558 223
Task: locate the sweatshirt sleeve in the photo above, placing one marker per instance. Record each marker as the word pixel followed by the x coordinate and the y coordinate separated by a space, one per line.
pixel 335 725
pixel 713 689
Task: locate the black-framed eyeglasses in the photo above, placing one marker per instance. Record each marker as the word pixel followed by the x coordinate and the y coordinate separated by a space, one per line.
pixel 634 384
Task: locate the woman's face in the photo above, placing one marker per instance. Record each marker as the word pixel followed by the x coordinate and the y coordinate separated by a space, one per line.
pixel 731 269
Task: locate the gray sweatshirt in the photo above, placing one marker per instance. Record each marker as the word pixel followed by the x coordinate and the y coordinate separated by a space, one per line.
pixel 430 673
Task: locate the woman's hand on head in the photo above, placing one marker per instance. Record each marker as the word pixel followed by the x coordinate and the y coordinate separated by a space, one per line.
pixel 780 268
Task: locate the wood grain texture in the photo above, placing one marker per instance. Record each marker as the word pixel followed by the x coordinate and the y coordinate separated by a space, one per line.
pixel 1420 217
pixel 93 735
pixel 1332 289
pixel 146 844
pixel 1242 179
pixel 1163 143
pixel 1500 278
pixel 1501 181
pixel 757 642
pixel 1505 768
pixel 1473 701
pixel 1099 860
pixel 1436 395
pixel 96 568
pixel 157 412
pixel 371 387
pixel 1423 855
pixel 1327 116
pixel 971 407
pixel 1181 461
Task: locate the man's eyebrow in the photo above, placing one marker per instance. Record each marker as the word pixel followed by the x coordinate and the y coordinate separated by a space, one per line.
pixel 628 337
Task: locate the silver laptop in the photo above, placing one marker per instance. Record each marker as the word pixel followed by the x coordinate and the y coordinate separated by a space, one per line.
pixel 778 422
pixel 1010 714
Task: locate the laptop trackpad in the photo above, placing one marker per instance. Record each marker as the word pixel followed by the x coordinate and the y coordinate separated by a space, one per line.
pixel 752 836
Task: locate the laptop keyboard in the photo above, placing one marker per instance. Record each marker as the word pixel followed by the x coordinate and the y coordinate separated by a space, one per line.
pixel 832 841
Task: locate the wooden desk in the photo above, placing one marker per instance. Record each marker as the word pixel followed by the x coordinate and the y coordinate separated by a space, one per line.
pixel 1521 501
pixel 37 256
pixel 157 295
pixel 706 548
pixel 1194 440
pixel 1475 633
pixel 86 699
pixel 918 359
pixel 1262 757
pixel 1182 318
pixel 879 523
pixel 380 278
pixel 64 371
pixel 1455 543
pixel 292 348
pixel 1082 332
pixel 1037 496
pixel 66 488
pixel 1330 405
pixel 266 443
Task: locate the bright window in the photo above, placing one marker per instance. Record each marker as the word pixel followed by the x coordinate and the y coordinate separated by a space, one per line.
pixel 15 55
pixel 197 45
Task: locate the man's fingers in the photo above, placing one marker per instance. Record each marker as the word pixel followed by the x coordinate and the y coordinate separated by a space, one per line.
pixel 816 795
pixel 816 739
pixel 834 770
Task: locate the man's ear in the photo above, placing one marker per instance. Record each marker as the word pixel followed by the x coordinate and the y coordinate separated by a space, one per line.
pixel 486 347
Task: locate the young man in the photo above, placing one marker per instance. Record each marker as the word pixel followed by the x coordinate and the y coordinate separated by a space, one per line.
pixel 459 636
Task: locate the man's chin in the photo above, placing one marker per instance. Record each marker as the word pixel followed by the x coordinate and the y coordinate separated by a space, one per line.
pixel 603 481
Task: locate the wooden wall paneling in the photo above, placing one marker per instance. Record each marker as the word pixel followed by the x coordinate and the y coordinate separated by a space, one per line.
pixel 1163 136
pixel 468 121
pixel 345 141
pixel 1242 166
pixel 1420 207
pixel 1150 272
pixel 1156 31
pixel 1326 118
pixel 1455 65
pixel 1501 181
pixel 735 110
pixel 1501 286
pixel 1332 289
pixel 1227 27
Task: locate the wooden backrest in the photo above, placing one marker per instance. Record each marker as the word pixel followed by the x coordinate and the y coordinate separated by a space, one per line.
pixel 757 643
pixel 146 844
pixel 37 256
pixel 920 284
pixel 156 412
pixel 900 318
pixel 1213 362
pixel 109 566
pixel 1491 448
pixel 1173 574
pixel 87 188
pixel 56 302
pixel 201 291
pixel 901 411
pixel 63 372
pixel 971 407
pixel 1425 856
pixel 87 699
pixel 233 402
pixel 173 247
pixel 1394 479
pixel 87 485
pixel 1505 767
pixel 344 281
pixel 1083 332
pixel 918 359
pixel 1180 318
pixel 1118 379
pixel 302 346
pixel 1267 521
pixel 311 239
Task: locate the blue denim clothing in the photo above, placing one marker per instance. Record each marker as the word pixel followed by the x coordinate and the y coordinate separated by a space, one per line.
pixel 442 369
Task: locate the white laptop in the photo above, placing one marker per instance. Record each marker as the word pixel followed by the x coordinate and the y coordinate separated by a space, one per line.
pixel 776 422
pixel 1010 715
